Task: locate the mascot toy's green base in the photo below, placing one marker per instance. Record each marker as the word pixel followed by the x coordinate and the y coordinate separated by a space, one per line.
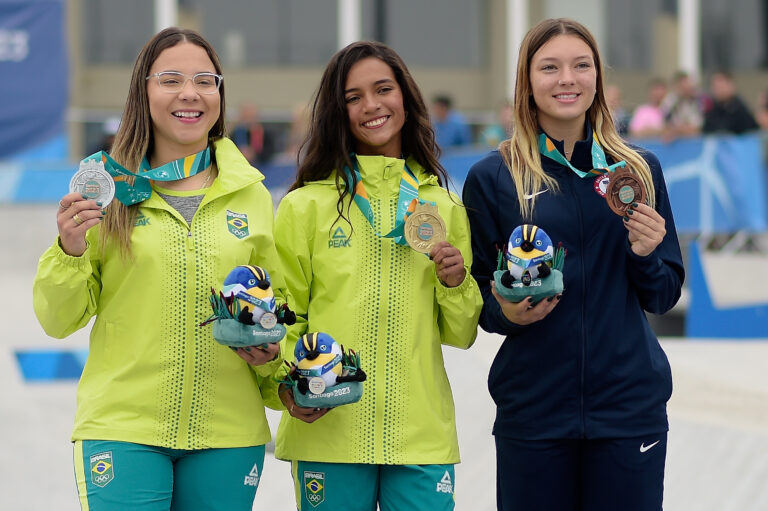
pixel 538 289
pixel 324 375
pixel 331 397
pixel 231 332
pixel 245 312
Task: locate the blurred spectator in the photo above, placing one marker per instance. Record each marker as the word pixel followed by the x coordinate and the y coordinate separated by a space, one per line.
pixel 728 114
pixel 501 130
pixel 684 108
pixel 648 119
pixel 451 129
pixel 108 131
pixel 249 135
pixel 619 114
pixel 296 134
pixel 762 110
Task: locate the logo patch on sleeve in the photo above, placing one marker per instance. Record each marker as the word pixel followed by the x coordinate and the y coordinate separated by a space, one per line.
pixel 102 469
pixel 237 223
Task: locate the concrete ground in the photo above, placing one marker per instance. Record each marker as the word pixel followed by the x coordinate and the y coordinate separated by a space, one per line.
pixel 718 443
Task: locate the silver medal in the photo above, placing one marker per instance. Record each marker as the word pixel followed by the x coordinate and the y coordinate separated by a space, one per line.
pixel 93 182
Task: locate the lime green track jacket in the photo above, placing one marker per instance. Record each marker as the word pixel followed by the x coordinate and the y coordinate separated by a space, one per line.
pixel 383 300
pixel 153 376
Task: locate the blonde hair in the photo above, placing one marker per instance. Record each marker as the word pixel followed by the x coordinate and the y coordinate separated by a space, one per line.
pixel 521 151
pixel 135 136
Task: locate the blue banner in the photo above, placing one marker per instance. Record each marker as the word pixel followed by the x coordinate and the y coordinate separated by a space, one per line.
pixel 33 66
pixel 715 183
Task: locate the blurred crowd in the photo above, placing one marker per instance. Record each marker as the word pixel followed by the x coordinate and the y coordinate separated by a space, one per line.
pixel 673 109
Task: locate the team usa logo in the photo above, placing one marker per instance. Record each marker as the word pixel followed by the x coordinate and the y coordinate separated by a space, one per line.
pixel 102 469
pixel 601 184
pixel 314 489
pixel 237 223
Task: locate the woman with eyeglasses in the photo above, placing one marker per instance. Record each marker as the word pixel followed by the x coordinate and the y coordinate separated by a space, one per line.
pixel 167 418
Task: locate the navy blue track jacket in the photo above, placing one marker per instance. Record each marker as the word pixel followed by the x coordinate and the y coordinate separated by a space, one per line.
pixel 593 368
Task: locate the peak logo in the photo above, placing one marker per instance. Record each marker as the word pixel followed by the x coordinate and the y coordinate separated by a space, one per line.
pixel 339 239
pixel 252 479
pixel 445 485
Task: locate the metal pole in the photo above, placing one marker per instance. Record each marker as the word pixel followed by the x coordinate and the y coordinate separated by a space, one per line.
pixel 166 14
pixel 348 15
pixel 517 26
pixel 689 30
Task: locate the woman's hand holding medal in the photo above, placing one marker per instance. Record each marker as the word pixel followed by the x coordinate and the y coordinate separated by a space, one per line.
pixel 75 216
pixel 449 264
pixel 646 228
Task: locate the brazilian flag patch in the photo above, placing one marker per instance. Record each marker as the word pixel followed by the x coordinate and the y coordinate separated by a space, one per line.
pixel 314 487
pixel 237 223
pixel 102 468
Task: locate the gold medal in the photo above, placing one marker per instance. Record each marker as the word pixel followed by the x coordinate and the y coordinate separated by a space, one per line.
pixel 424 228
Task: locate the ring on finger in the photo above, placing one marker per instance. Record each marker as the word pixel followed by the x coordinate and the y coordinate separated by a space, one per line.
pixel 76 218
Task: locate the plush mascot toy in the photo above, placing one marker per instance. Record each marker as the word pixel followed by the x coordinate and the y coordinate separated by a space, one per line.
pixel 324 375
pixel 245 312
pixel 533 266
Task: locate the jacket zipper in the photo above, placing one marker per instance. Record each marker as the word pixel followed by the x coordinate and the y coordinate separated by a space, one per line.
pixel 583 305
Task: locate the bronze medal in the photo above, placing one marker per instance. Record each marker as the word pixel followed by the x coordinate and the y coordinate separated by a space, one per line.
pixel 623 189
pixel 424 228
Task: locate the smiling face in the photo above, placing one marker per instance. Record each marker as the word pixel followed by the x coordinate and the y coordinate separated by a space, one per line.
pixel 375 108
pixel 563 79
pixel 181 120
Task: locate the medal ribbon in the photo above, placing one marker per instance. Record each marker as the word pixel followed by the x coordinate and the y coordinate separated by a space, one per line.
pixel 599 163
pixel 261 304
pixel 141 189
pixel 319 371
pixel 409 191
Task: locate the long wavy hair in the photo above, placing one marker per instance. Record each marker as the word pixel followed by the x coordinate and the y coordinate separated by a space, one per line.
pixel 329 140
pixel 521 151
pixel 135 137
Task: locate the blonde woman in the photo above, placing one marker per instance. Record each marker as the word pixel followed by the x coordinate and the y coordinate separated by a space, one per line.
pixel 167 418
pixel 580 382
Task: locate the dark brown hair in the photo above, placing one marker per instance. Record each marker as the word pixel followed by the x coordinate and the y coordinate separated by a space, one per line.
pixel 330 141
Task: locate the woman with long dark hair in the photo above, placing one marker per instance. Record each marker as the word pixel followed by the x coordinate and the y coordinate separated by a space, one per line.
pixel 370 155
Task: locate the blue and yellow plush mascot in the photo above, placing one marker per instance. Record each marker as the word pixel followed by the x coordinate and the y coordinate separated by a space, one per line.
pixel 533 266
pixel 245 312
pixel 324 374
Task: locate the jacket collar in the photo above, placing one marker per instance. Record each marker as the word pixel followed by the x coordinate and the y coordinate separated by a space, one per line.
pixel 582 149
pixel 234 173
pixel 375 177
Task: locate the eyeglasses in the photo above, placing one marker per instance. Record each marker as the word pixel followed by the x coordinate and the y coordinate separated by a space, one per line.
pixel 172 81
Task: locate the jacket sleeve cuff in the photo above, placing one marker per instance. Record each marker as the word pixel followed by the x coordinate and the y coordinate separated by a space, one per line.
pixel 269 368
pixel 642 264
pixel 82 262
pixel 443 290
